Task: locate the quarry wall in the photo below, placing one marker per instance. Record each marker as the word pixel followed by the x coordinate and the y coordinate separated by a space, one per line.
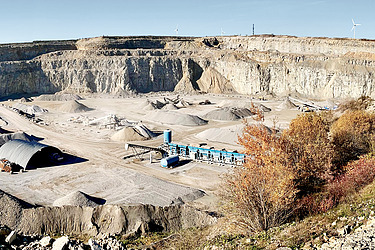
pixel 310 67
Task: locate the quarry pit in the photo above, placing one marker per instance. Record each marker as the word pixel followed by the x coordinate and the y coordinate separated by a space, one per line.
pixel 86 97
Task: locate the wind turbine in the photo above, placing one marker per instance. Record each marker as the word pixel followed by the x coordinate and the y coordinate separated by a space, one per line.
pixel 176 30
pixel 354 25
pixel 222 32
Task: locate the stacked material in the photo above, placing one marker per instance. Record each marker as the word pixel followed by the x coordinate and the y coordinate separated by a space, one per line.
pixel 78 198
pixel 18 135
pixel 138 132
pixel 170 106
pixel 73 107
pixel 228 114
pixel 127 134
pixel 227 135
pixel 287 104
pixel 59 97
pixel 33 109
pixel 166 103
pixel 175 118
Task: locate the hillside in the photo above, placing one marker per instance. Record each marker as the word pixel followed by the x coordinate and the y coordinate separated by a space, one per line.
pixel 279 65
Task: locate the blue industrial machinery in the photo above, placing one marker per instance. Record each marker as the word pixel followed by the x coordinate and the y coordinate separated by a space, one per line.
pixel 202 154
pixel 169 161
pixel 167 136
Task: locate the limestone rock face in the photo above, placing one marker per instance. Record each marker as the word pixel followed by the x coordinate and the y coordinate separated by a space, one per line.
pixel 279 65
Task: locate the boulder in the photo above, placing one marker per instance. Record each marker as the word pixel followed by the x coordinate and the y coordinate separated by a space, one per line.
pixel 61 243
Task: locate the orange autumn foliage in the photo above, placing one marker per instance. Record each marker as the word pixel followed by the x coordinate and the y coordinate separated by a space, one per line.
pixel 261 193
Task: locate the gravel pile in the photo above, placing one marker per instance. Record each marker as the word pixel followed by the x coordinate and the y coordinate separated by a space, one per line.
pixel 228 114
pixel 138 132
pixel 18 135
pixel 175 118
pixel 287 104
pixel 11 209
pixel 59 97
pixel 73 107
pixel 78 198
pixel 128 134
pixel 33 109
pixel 169 106
pixel 224 135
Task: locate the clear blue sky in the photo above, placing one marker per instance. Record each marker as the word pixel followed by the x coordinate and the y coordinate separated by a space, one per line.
pixel 29 20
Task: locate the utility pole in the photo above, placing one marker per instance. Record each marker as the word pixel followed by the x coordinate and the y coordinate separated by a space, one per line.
pixel 253 29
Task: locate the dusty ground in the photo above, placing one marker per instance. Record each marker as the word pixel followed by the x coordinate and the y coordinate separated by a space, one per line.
pixel 106 174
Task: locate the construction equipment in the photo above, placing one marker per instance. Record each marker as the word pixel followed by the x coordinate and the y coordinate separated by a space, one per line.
pixel 6 166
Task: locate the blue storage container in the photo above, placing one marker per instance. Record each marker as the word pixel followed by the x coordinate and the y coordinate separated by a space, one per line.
pixel 169 161
pixel 167 136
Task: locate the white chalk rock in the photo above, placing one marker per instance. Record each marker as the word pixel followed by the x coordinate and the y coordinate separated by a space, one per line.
pixel 61 243
pixel 11 237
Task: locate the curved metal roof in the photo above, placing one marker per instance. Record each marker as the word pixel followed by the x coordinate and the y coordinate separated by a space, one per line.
pixel 20 151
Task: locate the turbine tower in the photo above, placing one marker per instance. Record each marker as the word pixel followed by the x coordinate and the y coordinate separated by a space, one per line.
pixel 222 32
pixel 354 25
pixel 176 30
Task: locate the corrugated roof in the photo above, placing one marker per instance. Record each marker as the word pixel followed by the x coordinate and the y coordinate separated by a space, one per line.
pixel 20 151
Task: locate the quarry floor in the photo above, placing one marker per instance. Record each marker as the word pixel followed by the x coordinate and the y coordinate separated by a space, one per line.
pixel 105 173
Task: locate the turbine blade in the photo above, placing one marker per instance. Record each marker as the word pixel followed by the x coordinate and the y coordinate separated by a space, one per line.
pixel 353 21
pixel 353 28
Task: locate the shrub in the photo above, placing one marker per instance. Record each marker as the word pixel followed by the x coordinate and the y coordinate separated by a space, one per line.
pixel 261 193
pixel 353 135
pixel 310 150
pixel 358 174
pixel 361 103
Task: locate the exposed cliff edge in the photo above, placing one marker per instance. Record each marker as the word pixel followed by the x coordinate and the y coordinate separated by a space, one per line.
pixel 279 65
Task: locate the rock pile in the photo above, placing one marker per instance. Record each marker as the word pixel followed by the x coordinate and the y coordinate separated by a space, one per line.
pixel 78 198
pixel 286 104
pixel 74 107
pixel 18 135
pixel 59 97
pixel 362 238
pixel 228 114
pixel 12 240
pixel 32 110
pixel 167 104
pixel 175 118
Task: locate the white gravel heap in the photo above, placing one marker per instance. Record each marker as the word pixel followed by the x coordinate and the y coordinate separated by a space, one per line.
pixel 228 114
pixel 59 97
pixel 287 104
pixel 77 198
pixel 175 118
pixel 73 107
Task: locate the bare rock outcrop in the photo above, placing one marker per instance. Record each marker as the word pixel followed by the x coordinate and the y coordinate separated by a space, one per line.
pixel 280 65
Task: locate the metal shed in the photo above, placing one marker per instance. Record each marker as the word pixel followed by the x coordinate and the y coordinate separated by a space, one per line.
pixel 29 154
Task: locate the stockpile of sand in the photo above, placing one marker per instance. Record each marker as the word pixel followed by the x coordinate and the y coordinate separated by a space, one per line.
pixel 175 118
pixel 11 210
pixel 33 109
pixel 59 97
pixel 73 107
pixel 263 108
pixel 287 104
pixel 223 114
pixel 78 198
pixel 128 134
pixel 228 114
pixel 13 136
pixel 170 106
pixel 144 131
pixel 24 99
pixel 224 135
